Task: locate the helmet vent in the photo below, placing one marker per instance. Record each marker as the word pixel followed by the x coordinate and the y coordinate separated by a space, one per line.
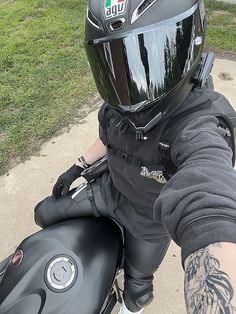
pixel 143 7
pixel 117 25
pixel 93 20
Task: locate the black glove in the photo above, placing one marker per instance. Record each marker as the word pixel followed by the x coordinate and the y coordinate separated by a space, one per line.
pixel 65 180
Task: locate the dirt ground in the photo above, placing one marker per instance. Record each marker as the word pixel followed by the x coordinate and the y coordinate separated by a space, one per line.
pixel 29 182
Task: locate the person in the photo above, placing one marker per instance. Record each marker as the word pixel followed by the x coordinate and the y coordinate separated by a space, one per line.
pixel 170 173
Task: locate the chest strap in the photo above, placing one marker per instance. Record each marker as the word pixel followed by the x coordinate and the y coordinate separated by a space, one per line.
pixel 132 159
pixel 138 161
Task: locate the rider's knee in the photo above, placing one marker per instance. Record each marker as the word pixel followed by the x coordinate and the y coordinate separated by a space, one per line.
pixel 45 213
pixel 39 215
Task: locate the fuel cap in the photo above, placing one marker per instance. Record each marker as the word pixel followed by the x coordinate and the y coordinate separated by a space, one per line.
pixel 61 273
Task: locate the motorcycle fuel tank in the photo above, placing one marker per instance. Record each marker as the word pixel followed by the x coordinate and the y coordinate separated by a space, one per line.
pixel 67 268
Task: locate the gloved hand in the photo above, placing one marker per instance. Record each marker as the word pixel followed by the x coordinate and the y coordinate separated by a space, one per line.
pixel 65 180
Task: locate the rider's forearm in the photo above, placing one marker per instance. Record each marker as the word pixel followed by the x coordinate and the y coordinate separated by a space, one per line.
pixel 95 152
pixel 210 279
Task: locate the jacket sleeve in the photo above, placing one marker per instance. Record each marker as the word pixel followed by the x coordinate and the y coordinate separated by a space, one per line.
pixel 198 204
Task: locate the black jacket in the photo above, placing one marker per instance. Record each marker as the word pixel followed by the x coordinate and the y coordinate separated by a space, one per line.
pixel 201 194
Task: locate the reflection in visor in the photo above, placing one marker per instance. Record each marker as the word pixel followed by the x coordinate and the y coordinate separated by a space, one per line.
pixel 133 71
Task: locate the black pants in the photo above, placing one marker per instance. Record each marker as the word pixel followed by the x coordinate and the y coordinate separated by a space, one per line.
pixel 146 241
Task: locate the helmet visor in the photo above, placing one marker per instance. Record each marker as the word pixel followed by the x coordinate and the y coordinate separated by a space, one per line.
pixel 138 69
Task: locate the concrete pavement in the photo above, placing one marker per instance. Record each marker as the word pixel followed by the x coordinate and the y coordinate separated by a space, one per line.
pixel 32 180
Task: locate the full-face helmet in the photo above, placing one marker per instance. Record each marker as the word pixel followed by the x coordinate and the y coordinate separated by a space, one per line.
pixel 144 53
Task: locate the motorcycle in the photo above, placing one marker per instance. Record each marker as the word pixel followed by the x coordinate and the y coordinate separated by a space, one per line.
pixel 71 267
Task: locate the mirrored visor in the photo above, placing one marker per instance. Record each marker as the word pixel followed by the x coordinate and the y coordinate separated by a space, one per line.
pixel 138 69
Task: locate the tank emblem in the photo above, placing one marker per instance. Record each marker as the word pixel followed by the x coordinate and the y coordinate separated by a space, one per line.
pixel 114 8
pixel 157 175
pixel 17 258
pixel 60 273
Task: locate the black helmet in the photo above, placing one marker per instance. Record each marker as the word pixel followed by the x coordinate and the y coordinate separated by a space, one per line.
pixel 144 54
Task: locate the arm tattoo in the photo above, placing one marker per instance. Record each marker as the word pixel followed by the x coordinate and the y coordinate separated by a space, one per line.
pixel 207 289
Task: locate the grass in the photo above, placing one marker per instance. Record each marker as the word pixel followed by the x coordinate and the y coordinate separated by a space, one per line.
pixel 44 76
pixel 221 32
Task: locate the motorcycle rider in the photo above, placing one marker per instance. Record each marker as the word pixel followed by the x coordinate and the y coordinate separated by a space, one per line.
pixel 170 168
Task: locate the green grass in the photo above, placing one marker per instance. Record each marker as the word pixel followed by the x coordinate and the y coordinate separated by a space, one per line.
pixel 44 76
pixel 221 31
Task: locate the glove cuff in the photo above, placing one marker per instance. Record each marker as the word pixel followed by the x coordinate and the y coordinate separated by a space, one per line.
pixel 75 171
